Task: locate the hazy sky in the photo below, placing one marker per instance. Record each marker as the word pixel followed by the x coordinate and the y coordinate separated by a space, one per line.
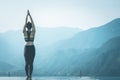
pixel 82 14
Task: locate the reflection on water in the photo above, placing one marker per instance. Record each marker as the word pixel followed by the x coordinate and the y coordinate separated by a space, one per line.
pixel 61 78
pixel 65 78
pixel 77 78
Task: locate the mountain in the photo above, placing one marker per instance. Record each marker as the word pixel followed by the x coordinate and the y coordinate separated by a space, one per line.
pixel 105 60
pixel 84 52
pixel 12 42
pixel 6 67
pixel 92 38
pixel 108 61
pixel 94 52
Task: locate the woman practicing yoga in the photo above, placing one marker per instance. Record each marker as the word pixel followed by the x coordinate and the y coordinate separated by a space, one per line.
pixel 29 51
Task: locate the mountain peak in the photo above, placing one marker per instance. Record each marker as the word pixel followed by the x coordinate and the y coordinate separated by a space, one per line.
pixel 115 21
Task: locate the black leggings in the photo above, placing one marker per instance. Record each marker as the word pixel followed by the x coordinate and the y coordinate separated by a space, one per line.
pixel 29 55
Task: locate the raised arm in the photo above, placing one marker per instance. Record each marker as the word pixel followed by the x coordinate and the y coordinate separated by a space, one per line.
pixel 24 29
pixel 33 25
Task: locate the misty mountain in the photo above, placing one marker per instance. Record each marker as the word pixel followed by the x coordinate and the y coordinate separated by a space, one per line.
pixel 83 51
pixel 104 61
pixel 92 38
pixel 6 67
pixel 48 36
pixel 108 60
pixel 12 42
pixel 92 52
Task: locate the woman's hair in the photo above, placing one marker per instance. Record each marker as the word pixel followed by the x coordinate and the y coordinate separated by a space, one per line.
pixel 29 25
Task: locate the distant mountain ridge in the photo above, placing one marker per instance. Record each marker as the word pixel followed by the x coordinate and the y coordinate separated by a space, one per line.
pixel 12 42
pixel 92 38
pixel 6 67
pixel 86 51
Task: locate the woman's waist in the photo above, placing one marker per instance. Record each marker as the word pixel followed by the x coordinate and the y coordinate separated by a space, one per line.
pixel 29 43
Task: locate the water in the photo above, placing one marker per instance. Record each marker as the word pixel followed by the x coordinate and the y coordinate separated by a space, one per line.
pixel 61 78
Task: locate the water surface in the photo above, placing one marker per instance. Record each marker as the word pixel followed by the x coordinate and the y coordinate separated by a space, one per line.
pixel 61 78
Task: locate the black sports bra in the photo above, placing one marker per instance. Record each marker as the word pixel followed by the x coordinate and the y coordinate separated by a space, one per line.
pixel 28 38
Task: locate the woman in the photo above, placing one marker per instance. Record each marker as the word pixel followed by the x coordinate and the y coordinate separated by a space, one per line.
pixel 29 52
